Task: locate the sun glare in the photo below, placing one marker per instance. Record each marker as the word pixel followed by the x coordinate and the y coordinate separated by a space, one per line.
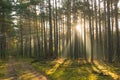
pixel 78 28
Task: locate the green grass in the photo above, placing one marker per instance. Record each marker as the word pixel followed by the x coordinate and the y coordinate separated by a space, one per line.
pixel 64 69
pixel 2 68
pixel 69 70
pixel 115 67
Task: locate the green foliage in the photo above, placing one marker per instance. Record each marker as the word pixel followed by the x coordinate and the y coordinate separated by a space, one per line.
pixel 6 19
pixel 34 2
pixel 5 5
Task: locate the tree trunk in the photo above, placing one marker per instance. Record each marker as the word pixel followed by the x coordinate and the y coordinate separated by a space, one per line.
pixel 50 35
pixel 109 31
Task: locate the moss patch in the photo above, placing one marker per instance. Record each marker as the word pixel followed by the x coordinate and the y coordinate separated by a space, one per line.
pixel 2 68
pixel 69 70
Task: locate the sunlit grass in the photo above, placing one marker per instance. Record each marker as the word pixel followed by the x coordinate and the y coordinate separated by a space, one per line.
pixel 26 76
pixel 51 71
pixel 63 69
pixel 114 67
pixel 107 70
pixel 2 68
pixel 69 70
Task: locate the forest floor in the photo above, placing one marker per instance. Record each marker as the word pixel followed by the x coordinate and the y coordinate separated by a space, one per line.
pixel 65 69
pixel 58 69
pixel 19 70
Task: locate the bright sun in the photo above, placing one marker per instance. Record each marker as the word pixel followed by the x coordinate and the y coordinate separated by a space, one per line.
pixel 78 28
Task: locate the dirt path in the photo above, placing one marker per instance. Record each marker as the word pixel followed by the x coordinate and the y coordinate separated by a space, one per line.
pixel 11 69
pixel 18 70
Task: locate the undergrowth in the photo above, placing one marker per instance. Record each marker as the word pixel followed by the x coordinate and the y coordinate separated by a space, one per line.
pixel 63 69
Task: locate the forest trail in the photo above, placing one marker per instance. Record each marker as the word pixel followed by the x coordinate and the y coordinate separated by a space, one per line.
pixel 18 70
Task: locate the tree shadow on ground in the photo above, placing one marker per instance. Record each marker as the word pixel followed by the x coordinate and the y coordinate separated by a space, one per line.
pixel 70 70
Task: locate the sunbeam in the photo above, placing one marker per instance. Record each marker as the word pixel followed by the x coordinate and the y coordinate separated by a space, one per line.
pixel 78 28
